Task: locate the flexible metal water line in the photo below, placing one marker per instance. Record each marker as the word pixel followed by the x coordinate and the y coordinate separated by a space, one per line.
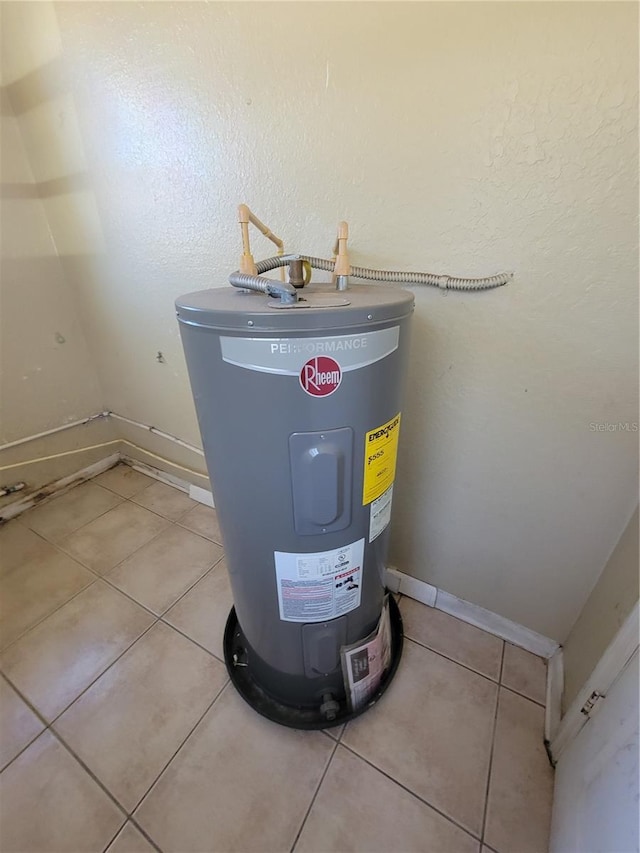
pixel 446 282
pixel 282 289
pixel 287 293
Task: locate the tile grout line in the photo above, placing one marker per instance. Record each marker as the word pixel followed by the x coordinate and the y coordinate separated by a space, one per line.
pixel 413 793
pixel 175 753
pixel 124 465
pixel 315 794
pixel 502 657
pixel 123 500
pixel 178 520
pixel 129 820
pixel 22 749
pixel 493 745
pixel 497 681
pixel 104 671
pixel 140 547
pixel 155 482
pixel 34 711
pixel 91 774
pixel 195 642
pixel 98 577
pixel 100 514
pixel 103 577
pixel 28 704
pixel 44 618
pixel 191 530
pixel 87 770
pixel 188 590
pixel 113 838
pixel 146 607
pixel 135 550
pixel 144 833
pixel 522 696
pixel 49 725
pixel 166 518
pixel 97 574
pixel 64 494
pixel 453 660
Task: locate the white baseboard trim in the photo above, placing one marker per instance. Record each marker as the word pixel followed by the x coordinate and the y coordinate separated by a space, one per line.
pixel 156 473
pixel 510 631
pixel 619 652
pixel 203 496
pixel 411 587
pixel 51 490
pixel 488 621
pixel 553 702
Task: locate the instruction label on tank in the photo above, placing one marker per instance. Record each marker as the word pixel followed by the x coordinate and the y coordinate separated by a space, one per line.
pixel 380 454
pixel 380 514
pixel 319 586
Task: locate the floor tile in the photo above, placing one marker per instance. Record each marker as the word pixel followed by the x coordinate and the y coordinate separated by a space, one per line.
pixel 388 817
pixel 130 722
pixel 432 733
pixel 18 545
pixel 65 514
pixel 30 592
pixel 240 783
pixel 113 537
pixel 202 613
pixel 130 840
pixel 18 723
pixel 525 673
pixel 521 787
pixel 62 655
pixel 335 732
pixel 457 640
pixel 161 571
pixel 124 480
pixel 165 500
pixel 203 520
pixel 49 803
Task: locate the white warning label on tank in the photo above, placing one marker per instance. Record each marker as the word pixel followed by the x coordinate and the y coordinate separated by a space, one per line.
pixel 380 514
pixel 319 586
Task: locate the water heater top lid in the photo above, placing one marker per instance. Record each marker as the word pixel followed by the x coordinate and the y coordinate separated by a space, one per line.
pixel 321 307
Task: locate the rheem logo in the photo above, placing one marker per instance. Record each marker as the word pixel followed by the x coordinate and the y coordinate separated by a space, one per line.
pixel 320 376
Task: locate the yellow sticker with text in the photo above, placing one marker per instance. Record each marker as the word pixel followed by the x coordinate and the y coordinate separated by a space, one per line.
pixel 380 453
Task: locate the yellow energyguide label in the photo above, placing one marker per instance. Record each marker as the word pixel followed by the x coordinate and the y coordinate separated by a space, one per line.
pixel 380 454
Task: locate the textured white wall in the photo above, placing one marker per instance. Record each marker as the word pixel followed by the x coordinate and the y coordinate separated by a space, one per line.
pixel 462 138
pixel 47 377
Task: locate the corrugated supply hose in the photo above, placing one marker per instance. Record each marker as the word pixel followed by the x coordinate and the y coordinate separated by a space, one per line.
pixel 287 293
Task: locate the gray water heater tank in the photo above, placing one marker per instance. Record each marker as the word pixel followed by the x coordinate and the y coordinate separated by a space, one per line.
pixel 300 412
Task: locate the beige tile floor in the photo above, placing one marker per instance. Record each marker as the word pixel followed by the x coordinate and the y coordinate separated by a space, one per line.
pixel 119 730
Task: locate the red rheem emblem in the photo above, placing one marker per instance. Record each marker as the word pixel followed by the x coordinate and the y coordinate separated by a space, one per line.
pixel 320 376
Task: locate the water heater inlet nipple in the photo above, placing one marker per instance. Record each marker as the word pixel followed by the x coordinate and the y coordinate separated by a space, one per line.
pixel 329 707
